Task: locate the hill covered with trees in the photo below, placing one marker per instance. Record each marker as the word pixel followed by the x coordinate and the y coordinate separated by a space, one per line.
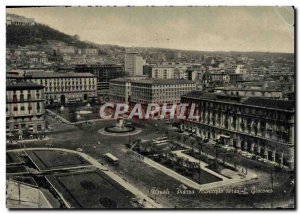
pixel 39 34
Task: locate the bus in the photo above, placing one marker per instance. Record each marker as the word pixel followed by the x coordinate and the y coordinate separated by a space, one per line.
pixel 111 159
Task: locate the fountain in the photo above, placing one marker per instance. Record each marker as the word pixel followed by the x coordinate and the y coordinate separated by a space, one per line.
pixel 120 129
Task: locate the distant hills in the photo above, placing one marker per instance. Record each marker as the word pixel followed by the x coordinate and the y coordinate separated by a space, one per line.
pixel 39 34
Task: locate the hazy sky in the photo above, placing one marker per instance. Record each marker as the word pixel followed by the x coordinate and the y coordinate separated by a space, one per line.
pixel 189 28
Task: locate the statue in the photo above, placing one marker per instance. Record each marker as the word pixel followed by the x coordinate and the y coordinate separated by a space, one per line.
pixel 120 124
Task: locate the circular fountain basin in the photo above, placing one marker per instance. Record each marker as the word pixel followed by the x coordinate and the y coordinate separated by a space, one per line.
pixel 116 129
pixel 120 129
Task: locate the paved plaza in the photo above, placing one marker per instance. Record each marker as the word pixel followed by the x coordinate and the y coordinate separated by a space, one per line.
pixel 145 178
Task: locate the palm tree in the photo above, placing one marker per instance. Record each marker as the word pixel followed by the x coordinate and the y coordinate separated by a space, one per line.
pixel 216 153
pixel 192 142
pixel 224 156
pixel 180 161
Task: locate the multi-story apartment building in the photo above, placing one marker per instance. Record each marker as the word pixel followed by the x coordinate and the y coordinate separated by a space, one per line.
pixel 104 73
pixel 180 73
pixel 235 78
pixel 259 71
pixel 195 73
pixel 91 51
pixel 134 63
pixel 66 50
pixel 65 87
pixel 160 91
pixel 241 69
pixel 25 109
pixel 120 89
pixel 261 126
pixel 162 72
pixel 216 77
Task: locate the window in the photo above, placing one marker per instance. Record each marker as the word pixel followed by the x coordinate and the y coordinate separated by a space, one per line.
pixel 37 94
pixel 22 97
pixel 22 108
pixel 39 127
pixel 38 107
pixel 15 98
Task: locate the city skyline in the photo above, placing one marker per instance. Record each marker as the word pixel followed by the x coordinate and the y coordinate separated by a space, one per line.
pixel 175 27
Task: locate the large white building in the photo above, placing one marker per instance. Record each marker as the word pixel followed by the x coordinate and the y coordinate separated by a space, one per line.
pixel 12 19
pixel 241 69
pixel 91 51
pixel 65 87
pixel 134 63
pixel 120 89
pixel 160 91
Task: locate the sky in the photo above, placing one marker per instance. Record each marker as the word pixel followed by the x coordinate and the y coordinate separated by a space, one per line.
pixel 245 29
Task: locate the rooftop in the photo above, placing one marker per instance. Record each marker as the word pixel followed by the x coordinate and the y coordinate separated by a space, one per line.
pixel 128 79
pixel 52 74
pixel 163 81
pixel 98 65
pixel 270 103
pixel 248 89
pixel 22 85
pixel 250 101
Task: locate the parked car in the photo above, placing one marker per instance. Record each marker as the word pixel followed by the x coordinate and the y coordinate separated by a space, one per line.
pixel 243 153
pixel 249 155
pixel 79 149
pixel 262 159
pixel 254 157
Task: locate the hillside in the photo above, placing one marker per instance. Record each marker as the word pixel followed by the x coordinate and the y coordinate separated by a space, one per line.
pixel 38 34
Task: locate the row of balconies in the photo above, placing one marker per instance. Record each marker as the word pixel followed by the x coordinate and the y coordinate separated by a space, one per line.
pixel 249 114
pixel 70 84
pixel 24 113
pixel 70 88
pixel 32 99
pixel 263 131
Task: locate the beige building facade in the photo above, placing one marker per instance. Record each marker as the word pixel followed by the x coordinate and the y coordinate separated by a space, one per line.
pixel 261 126
pixel 65 87
pixel 25 108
